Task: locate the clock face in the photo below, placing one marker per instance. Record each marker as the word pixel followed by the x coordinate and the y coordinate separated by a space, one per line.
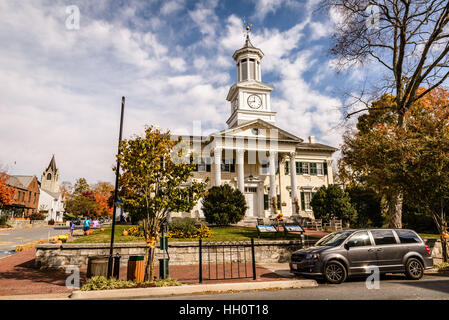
pixel 254 101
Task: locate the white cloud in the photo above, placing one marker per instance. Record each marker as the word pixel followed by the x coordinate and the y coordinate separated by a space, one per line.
pixel 61 90
pixel 171 7
pixel 206 20
pixel 320 30
pixel 264 7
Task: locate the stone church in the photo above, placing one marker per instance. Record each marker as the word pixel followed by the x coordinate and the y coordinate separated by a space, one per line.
pixel 50 199
pixel 275 170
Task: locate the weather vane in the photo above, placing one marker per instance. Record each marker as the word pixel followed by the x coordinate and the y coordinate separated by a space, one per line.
pixel 248 26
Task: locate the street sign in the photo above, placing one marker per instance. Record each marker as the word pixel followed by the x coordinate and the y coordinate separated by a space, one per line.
pixel 293 228
pixel 266 229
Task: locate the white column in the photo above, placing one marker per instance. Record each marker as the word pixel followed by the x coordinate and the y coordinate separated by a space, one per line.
pixel 293 183
pixel 217 166
pixel 240 169
pixel 240 71
pixel 272 172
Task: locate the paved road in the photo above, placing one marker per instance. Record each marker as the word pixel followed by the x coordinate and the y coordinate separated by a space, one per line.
pixel 9 239
pixel 392 287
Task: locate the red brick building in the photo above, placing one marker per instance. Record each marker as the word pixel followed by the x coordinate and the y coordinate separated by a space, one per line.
pixel 26 196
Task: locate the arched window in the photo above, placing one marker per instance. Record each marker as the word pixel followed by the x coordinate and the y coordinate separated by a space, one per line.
pixel 49 176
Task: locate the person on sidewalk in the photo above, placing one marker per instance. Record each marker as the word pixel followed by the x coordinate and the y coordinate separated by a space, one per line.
pixel 86 225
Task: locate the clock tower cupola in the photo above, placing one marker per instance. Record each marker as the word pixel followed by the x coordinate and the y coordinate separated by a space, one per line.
pixel 249 96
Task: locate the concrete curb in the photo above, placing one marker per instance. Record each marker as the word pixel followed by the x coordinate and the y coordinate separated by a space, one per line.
pixel 49 296
pixel 189 289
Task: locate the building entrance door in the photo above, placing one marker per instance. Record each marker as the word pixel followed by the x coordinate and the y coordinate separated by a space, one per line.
pixel 251 201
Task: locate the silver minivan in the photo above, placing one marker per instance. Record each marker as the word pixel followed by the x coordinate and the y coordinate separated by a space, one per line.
pixel 355 252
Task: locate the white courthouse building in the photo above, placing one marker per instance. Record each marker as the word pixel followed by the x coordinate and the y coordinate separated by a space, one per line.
pixel 275 170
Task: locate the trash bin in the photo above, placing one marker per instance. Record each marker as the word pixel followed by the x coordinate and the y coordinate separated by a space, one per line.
pixel 97 266
pixel 136 268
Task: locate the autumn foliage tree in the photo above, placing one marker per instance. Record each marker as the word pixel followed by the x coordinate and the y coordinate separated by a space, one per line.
pixel 155 183
pixel 408 41
pixel 89 201
pixel 102 192
pixel 414 158
pixel 6 192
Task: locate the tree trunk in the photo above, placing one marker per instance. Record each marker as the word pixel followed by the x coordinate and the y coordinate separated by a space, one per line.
pixel 395 210
pixel 149 266
pixel 443 232
pixel 444 248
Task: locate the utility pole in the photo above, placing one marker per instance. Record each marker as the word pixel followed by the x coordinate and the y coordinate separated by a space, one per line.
pixel 117 172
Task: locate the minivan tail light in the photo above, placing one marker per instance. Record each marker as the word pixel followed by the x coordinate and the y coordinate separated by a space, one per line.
pixel 427 249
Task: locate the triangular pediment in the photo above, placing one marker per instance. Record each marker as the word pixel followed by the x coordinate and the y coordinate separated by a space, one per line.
pixel 264 129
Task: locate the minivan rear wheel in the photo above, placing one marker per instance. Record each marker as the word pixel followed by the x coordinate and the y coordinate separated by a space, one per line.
pixel 414 269
pixel 335 272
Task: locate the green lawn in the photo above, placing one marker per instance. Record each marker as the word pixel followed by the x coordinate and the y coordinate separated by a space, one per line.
pixel 105 236
pixel 218 234
pixel 429 235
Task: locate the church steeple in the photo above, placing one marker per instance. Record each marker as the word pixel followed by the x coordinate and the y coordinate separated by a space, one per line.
pixel 52 164
pixel 50 177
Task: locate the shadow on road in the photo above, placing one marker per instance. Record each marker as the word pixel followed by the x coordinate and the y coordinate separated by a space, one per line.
pixel 435 285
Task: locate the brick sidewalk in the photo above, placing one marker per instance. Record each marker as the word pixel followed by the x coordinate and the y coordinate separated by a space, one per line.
pixel 18 276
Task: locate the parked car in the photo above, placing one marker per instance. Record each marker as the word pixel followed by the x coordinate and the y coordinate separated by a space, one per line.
pixel 352 252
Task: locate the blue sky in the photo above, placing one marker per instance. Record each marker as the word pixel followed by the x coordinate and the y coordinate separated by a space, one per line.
pixel 61 89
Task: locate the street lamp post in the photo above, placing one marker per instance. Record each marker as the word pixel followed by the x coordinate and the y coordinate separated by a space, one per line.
pixel 117 171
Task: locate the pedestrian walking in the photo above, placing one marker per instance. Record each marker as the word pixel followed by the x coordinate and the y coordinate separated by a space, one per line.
pixel 86 225
pixel 72 227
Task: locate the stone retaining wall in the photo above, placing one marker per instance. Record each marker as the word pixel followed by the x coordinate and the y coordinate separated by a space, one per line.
pixel 436 249
pixel 181 253
pixel 22 224
pixel 18 224
pixel 36 223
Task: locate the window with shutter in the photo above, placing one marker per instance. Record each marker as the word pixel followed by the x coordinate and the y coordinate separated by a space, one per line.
pixel 313 170
pixel 304 167
pixel 307 199
pixel 303 202
pixel 265 166
pixel 319 169
pixel 203 165
pixel 298 167
pixel 227 165
pixel 287 167
pixel 325 168
pixel 266 203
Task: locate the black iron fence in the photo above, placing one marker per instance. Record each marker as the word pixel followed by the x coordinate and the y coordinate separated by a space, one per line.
pixel 226 260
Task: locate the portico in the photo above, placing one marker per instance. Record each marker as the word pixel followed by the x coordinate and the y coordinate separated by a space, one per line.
pixel 251 163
